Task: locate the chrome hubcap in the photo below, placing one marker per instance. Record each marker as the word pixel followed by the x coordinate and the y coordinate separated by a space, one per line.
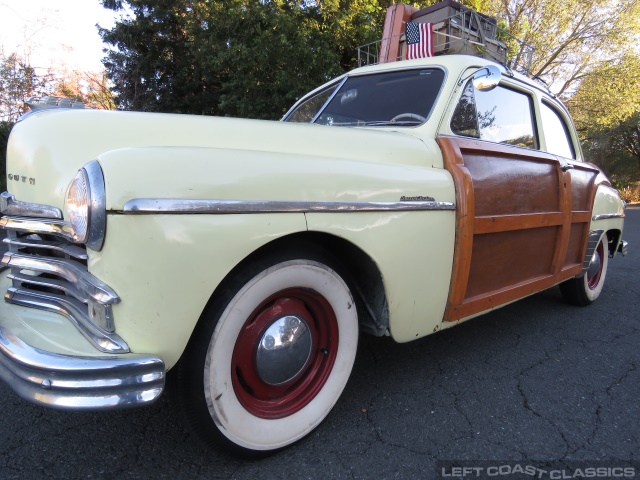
pixel 594 266
pixel 284 350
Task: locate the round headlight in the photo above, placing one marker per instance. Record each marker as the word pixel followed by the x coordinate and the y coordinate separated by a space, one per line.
pixel 78 200
pixel 86 206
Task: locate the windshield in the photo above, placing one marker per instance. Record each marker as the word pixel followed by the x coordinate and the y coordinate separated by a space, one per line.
pixel 392 98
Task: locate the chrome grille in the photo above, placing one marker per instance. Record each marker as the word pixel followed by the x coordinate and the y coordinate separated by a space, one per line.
pixel 49 272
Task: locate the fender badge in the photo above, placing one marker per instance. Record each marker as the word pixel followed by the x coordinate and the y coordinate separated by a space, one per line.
pixel 419 198
pixel 23 178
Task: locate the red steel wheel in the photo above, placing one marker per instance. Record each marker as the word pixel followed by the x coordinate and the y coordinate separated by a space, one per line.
pixel 284 353
pixel 272 354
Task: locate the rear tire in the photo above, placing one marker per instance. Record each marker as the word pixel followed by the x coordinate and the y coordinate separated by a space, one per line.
pixel 271 356
pixel 586 288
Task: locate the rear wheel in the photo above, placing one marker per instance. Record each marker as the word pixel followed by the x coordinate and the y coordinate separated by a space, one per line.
pixel 585 289
pixel 272 355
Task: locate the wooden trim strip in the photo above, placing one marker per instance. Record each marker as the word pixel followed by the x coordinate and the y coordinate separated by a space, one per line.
pixel 580 217
pixel 505 223
pixel 465 213
pixel 481 303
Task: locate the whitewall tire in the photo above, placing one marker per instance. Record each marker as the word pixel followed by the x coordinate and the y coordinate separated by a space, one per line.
pixel 278 358
pixel 586 288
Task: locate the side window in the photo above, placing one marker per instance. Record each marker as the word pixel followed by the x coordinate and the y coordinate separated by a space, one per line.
pixel 556 133
pixel 465 119
pixel 501 115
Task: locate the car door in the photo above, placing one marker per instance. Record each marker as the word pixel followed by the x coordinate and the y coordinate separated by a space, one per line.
pixel 514 218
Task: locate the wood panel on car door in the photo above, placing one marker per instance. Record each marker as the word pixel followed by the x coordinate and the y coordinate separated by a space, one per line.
pixel 522 222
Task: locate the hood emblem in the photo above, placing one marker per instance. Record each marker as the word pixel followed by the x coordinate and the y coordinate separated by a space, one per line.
pixel 22 178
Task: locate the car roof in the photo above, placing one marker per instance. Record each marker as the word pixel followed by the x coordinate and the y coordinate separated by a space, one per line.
pixel 452 63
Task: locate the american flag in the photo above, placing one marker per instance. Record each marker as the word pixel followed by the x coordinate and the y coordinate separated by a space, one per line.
pixel 419 40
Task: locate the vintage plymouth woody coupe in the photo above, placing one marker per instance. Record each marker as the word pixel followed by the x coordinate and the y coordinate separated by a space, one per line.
pixel 246 256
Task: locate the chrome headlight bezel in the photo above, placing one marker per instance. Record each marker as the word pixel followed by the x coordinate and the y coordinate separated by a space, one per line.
pixel 92 206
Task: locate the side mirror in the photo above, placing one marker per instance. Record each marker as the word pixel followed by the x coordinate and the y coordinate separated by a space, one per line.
pixel 487 78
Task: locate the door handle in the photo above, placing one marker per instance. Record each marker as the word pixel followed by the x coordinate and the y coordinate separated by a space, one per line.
pixel 567 167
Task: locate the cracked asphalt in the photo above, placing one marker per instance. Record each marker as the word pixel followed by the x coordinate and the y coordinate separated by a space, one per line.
pixel 538 380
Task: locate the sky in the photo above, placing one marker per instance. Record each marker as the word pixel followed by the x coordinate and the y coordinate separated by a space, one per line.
pixel 52 33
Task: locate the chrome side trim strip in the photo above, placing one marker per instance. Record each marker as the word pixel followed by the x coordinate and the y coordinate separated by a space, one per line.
pixel 138 206
pixel 10 206
pixel 50 227
pixel 67 269
pixel 605 216
pixel 63 247
pixel 592 243
pixel 79 383
pixel 72 309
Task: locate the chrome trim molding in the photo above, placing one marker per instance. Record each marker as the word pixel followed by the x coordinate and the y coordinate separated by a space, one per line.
pixel 74 310
pixel 68 249
pixel 592 243
pixel 69 270
pixel 139 206
pixel 47 227
pixel 42 281
pixel 79 383
pixel 10 206
pixel 605 216
pixel 623 248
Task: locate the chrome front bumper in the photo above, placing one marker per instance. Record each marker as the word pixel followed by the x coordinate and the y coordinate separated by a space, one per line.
pixel 79 382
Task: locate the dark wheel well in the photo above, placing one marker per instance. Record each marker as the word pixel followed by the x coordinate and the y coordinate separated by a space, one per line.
pixel 614 239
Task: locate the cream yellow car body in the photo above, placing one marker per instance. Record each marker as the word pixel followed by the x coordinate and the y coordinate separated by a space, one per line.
pixel 165 266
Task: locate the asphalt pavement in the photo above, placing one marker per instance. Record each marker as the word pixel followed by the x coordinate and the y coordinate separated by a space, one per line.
pixel 538 381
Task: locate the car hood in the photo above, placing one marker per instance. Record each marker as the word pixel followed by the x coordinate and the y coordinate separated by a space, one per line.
pixel 47 148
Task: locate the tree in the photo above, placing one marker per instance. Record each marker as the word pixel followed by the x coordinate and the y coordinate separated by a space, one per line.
pixel 238 57
pixel 90 88
pixel 606 109
pixel 569 37
pixel 18 82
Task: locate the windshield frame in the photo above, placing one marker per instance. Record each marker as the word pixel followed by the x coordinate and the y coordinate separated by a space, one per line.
pixel 340 81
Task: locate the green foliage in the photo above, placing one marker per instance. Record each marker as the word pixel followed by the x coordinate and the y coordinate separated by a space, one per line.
pixel 606 109
pixel 5 128
pixel 569 37
pixel 18 81
pixel 89 88
pixel 240 57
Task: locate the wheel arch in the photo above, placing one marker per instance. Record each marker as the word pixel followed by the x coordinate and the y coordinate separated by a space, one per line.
pixel 360 272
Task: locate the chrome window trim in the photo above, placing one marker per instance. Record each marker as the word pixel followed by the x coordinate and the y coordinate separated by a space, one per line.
pixel 605 216
pixel 73 382
pixel 335 92
pixel 108 342
pixel 67 269
pixel 309 95
pixel 141 206
pixel 366 73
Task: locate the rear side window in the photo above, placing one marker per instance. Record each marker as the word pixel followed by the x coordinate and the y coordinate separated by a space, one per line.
pixel 501 115
pixel 556 133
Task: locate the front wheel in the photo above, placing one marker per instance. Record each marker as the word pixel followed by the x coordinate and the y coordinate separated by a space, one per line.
pixel 586 288
pixel 272 357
